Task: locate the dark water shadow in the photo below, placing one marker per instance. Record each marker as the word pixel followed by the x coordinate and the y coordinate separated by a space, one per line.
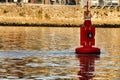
pixel 87 65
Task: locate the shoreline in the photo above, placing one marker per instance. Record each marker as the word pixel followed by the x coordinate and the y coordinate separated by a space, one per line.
pixel 59 25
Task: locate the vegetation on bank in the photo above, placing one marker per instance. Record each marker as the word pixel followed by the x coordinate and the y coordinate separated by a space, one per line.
pixel 53 15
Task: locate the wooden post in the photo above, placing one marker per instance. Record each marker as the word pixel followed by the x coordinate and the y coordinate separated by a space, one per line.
pixel 119 3
pixel 6 1
pixel 46 1
pixel 31 1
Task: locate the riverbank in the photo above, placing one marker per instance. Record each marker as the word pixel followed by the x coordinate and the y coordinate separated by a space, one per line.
pixel 59 25
pixel 55 15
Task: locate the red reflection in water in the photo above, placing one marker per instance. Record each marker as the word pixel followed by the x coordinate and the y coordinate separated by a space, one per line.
pixel 87 63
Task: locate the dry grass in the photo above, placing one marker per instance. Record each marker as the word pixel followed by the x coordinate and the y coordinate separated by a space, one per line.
pixel 58 15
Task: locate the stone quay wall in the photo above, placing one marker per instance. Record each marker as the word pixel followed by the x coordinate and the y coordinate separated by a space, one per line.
pixel 55 15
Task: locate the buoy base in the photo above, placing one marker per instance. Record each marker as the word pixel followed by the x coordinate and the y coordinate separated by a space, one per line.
pixel 88 50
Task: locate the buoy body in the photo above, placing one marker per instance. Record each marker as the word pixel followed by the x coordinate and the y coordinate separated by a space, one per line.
pixel 91 50
pixel 87 40
pixel 87 34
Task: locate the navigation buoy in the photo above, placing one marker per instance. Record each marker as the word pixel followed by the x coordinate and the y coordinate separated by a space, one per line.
pixel 87 34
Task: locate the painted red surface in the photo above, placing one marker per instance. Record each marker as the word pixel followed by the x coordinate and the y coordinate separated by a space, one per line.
pixel 87 34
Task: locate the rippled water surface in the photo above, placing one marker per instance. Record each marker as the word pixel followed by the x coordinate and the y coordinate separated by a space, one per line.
pixel 47 53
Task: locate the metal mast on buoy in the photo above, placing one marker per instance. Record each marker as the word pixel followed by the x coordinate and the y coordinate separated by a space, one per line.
pixel 87 34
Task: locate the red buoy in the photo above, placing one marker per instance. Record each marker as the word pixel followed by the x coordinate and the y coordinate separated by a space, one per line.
pixel 87 34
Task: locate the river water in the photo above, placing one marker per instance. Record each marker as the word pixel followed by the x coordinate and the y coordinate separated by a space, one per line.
pixel 47 53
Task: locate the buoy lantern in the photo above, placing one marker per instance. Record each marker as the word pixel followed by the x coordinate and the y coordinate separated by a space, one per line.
pixel 87 34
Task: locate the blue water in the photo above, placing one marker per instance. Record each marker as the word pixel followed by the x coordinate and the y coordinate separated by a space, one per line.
pixel 25 53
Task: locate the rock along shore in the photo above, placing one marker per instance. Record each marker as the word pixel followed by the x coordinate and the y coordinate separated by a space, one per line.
pixel 55 15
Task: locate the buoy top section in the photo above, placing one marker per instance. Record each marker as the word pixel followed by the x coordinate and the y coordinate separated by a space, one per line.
pixel 87 14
